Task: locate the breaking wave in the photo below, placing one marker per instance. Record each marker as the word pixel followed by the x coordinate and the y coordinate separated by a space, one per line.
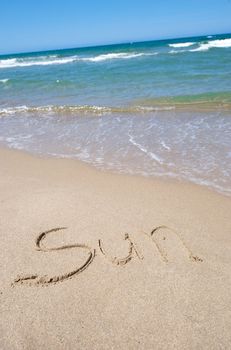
pixel 20 62
pixel 206 101
pixel 222 43
pixel 179 45
pixel 112 56
pixel 4 80
pixel 54 60
pixel 81 109
pixel 201 46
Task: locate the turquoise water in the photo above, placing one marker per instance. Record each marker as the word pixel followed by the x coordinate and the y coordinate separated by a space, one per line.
pixel 160 108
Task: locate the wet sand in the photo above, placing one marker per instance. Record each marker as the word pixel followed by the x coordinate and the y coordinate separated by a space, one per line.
pixel 96 260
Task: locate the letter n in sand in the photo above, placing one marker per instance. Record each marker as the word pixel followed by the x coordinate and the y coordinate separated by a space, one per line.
pixel 171 246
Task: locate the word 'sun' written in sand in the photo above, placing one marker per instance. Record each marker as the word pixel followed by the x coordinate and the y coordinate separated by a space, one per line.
pixel 133 252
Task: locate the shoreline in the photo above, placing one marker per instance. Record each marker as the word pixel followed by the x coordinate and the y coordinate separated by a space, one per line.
pixel 152 178
pixel 141 263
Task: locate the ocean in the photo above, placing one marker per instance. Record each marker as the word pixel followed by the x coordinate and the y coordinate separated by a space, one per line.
pixel 158 108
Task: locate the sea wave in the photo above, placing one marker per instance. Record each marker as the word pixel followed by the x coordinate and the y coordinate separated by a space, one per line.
pixel 222 43
pixel 177 51
pixel 20 62
pixel 179 45
pixel 54 60
pixel 210 101
pixel 118 55
pixel 81 109
pixel 4 80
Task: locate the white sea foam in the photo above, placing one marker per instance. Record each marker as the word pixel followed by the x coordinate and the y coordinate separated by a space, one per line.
pixel 179 45
pixel 98 110
pixel 118 55
pixel 151 155
pixel 4 80
pixel 14 62
pixel 177 51
pixel 165 146
pixel 222 43
pixel 12 110
pixel 154 108
pixel 54 109
pixel 54 60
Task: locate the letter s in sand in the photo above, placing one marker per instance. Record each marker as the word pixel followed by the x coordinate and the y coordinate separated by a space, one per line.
pixel 35 279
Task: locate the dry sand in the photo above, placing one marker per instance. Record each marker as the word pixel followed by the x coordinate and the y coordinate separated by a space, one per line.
pixel 166 288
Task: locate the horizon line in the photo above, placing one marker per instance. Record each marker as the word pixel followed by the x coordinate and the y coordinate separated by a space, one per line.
pixel 111 44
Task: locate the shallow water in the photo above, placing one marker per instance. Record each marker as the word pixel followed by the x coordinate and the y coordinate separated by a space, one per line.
pixel 154 109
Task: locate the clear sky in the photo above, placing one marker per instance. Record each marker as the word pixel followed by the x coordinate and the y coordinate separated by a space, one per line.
pixel 30 25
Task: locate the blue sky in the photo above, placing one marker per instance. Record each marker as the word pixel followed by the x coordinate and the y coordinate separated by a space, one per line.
pixel 30 25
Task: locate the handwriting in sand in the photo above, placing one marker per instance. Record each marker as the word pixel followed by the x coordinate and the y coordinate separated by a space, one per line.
pixel 133 251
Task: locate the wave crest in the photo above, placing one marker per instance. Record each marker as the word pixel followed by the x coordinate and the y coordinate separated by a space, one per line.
pixel 14 62
pixel 82 109
pixel 54 60
pixel 222 43
pixel 179 45
pixel 4 80
pixel 118 55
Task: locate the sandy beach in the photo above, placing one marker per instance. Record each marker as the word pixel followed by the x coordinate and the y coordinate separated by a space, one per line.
pixel 95 260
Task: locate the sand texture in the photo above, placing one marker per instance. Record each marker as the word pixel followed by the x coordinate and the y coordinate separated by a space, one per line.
pixel 93 260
